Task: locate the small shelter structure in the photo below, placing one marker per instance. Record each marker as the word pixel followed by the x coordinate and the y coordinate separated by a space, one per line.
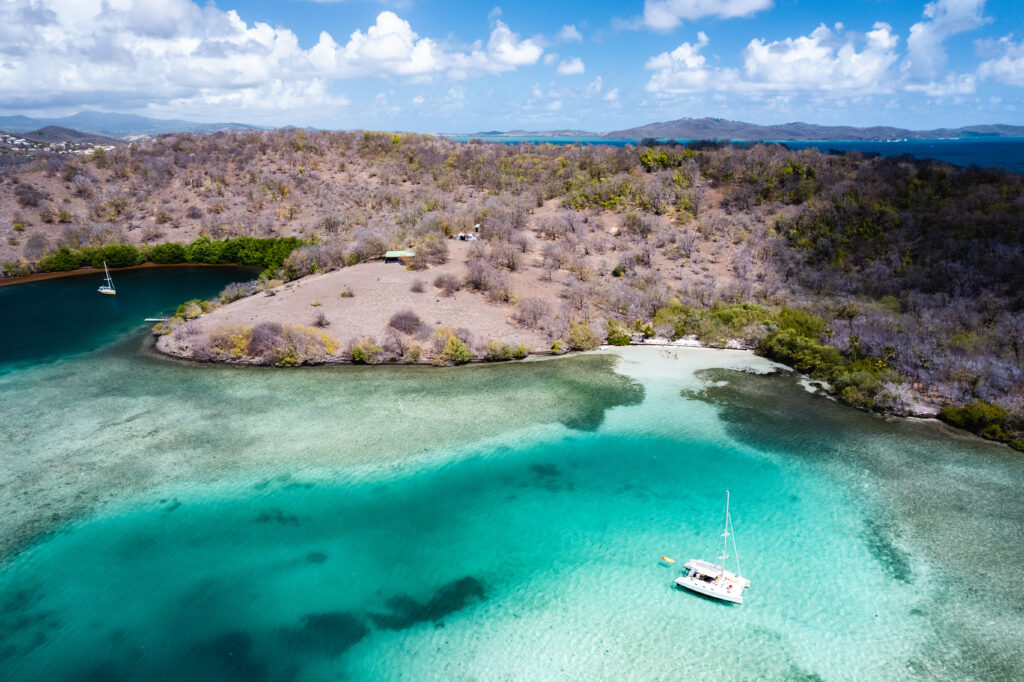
pixel 399 256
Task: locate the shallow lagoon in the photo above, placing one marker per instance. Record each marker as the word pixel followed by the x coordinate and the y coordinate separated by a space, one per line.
pixel 160 520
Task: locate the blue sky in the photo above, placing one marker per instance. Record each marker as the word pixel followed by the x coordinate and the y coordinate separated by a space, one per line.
pixel 464 67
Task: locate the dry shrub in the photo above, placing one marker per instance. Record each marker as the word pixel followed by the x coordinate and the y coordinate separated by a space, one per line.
pixel 531 311
pixel 405 321
pixel 448 284
pixel 289 345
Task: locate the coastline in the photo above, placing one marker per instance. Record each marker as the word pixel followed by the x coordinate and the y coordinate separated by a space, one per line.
pixel 41 276
pixel 915 411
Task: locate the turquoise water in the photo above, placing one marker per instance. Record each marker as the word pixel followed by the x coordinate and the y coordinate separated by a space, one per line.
pixel 54 318
pixel 165 521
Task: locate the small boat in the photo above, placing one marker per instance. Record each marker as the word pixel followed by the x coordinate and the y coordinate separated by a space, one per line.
pixel 107 288
pixel 713 580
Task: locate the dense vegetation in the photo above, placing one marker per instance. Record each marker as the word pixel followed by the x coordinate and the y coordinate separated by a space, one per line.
pixel 896 281
pixel 268 253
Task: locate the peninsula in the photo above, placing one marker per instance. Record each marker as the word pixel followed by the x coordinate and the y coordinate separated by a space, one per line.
pixel 895 281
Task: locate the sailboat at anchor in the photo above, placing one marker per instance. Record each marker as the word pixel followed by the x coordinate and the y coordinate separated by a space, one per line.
pixel 712 580
pixel 108 287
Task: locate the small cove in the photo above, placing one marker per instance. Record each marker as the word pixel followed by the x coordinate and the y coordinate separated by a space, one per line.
pixel 165 520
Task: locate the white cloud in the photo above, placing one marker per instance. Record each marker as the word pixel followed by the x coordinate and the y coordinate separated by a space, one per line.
pixel 821 61
pixel 571 67
pixel 134 54
pixel 665 15
pixel 569 34
pixel 943 18
pixel 274 96
pixel 953 85
pixel 685 69
pixel 389 46
pixel 595 87
pixel 1007 66
pixel 505 47
pixel 612 96
pixel 550 58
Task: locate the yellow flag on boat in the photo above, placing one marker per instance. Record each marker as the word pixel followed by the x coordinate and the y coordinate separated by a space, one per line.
pixel 667 560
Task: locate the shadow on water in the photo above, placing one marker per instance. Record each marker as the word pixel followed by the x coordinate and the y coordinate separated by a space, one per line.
pixel 326 634
pixel 405 612
pixel 702 597
pixel 894 560
pixel 283 653
pixel 550 477
pixel 230 656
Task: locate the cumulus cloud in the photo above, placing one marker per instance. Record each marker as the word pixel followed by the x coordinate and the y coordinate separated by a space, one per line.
pixel 570 67
pixel 164 53
pixel 506 48
pixel 1007 64
pixel 389 46
pixel 943 18
pixel 665 15
pixel 569 34
pixel 825 60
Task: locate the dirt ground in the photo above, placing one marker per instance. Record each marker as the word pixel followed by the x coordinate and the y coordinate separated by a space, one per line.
pixel 379 290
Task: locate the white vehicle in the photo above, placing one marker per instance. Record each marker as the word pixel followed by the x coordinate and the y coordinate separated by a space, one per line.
pixel 107 288
pixel 712 580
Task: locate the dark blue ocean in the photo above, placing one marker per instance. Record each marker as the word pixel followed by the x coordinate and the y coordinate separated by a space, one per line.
pixel 1002 152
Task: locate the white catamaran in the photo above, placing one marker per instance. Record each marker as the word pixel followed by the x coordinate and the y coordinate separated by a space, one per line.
pixel 712 580
pixel 107 288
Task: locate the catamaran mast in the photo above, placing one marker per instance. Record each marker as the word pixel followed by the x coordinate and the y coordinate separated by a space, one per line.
pixel 725 535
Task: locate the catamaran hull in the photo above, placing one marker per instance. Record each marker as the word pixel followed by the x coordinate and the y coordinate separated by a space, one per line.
pixel 109 293
pixel 735 595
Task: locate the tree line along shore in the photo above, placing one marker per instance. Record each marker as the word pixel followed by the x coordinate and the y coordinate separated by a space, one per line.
pixel 897 281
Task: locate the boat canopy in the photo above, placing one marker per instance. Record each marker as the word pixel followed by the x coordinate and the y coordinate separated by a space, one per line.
pixel 704 567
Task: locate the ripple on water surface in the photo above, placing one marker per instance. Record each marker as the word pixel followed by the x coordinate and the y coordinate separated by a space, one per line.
pixel 521 546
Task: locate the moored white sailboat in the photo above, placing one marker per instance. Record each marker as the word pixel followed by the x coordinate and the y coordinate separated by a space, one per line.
pixel 107 288
pixel 713 580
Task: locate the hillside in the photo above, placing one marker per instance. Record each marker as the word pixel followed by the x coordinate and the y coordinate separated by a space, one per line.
pixel 722 129
pixel 897 282
pixel 59 134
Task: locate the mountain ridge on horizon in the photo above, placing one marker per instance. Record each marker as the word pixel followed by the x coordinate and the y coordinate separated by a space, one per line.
pixel 118 125
pixel 719 128
pixel 725 129
pixel 114 124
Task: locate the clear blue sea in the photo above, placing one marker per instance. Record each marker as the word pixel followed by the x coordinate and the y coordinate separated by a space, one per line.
pixel 1003 152
pixel 171 521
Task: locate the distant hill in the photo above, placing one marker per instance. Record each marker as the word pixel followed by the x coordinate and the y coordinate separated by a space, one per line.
pixel 59 134
pixel 722 129
pixel 115 125
pixel 530 133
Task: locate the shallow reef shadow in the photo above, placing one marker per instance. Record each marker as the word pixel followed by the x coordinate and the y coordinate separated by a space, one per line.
pixel 406 612
pixel 894 560
pixel 330 633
